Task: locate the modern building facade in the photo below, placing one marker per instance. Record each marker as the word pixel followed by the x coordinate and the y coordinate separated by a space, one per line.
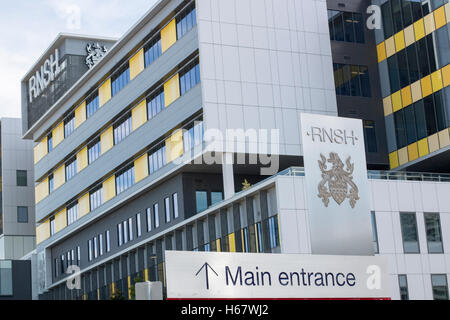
pixel 413 58
pixel 15 280
pixel 17 223
pixel 111 192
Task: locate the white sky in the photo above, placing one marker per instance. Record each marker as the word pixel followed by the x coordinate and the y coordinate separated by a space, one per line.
pixel 27 28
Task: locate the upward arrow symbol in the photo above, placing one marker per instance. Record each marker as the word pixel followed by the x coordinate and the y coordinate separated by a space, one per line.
pixel 206 266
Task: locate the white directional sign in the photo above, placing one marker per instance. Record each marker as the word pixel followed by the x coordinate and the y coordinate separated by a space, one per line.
pixel 337 185
pixel 207 275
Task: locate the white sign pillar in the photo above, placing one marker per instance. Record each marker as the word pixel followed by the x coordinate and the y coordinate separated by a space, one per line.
pixel 337 185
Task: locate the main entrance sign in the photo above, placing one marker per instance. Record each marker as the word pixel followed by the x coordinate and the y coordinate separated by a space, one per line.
pixel 337 185
pixel 207 275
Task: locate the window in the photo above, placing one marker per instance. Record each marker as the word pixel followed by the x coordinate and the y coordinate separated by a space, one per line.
pixel 152 50
pixel 434 233
pixel 216 196
pixel 374 232
pixel 52 226
pixel 189 78
pixel 409 232
pixel 125 232
pixel 94 150
pixel 96 198
pixel 156 215
pixel 201 200
pixel 273 232
pixel 90 254
pixel 119 234
pixel 50 142
pixel 157 159
pixel 125 179
pixel 51 183
pixel 193 136
pixel 440 286
pixel 21 178
pixel 130 228
pixel 122 128
pixel 120 79
pixel 108 243
pixel 22 214
pixel 155 103
pixel 92 105
pixel 95 247
pixel 167 209
pixel 71 168
pixel 259 234
pixel 370 136
pixel 100 244
pixel 346 26
pixel 175 205
pixel 69 125
pixel 6 282
pixel 352 80
pixel 149 220
pixel 72 213
pixel 138 225
pixel 78 255
pixel 63 267
pixel 186 20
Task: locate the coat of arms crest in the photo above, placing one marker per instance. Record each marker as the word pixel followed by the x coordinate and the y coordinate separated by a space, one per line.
pixel 338 180
pixel 95 53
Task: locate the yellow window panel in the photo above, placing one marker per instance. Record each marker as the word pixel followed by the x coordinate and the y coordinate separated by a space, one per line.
pixel 41 191
pixel 446 75
pixel 172 90
pixel 43 231
pixel 427 88
pixel 416 91
pixel 84 205
pixel 423 147
pixel 137 64
pixel 381 51
pixel 413 152
pixel 396 101
pixel 419 29
pixel 174 146
pixel 390 47
pixel 387 105
pixel 409 36
pixel 436 80
pixel 40 150
pixel 60 220
pixel 439 17
pixel 403 156
pixel 82 159
pixel 141 168
pixel 80 114
pixel 447 12
pixel 444 138
pixel 109 188
pixel 58 134
pixel 406 96
pixel 104 92
pixel 107 140
pixel 168 36
pixel 428 21
pixel 232 243
pixel 433 143
pixel 139 115
pixel 219 249
pixel 59 177
pixel 399 41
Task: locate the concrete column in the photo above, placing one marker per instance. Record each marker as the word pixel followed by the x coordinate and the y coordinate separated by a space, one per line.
pixel 228 175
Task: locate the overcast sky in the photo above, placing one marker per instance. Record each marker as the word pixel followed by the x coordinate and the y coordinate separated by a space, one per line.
pixel 27 28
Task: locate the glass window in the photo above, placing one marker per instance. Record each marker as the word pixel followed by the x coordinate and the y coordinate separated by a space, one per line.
pixel 71 168
pixel 186 20
pixel 90 253
pixel 422 52
pixel 120 79
pixel 413 66
pixel 94 150
pixel 273 232
pixel 96 198
pixel 175 205
pixel 52 226
pixel 130 229
pixel 434 233
pixel 72 213
pixel 358 23
pixel 78 255
pixel 125 179
pixel 69 125
pixel 430 115
pixel 149 220
pixel 374 232
pixel 156 215
pixel 155 103
pixel 100 244
pixel 410 122
pixel 152 50
pixel 216 196
pixel 120 234
pixel 388 25
pixel 409 233
pixel 92 104
pixel 167 209
pixel 157 159
pixel 201 200
pixel 108 241
pixel 259 237
pixel 95 247
pixel 21 178
pixel 349 32
pixel 50 142
pixel 421 124
pixel 394 77
pixel 397 15
pixel 138 225
pixel 22 214
pixel 403 285
pixel 400 130
pixel 439 107
pixel 51 183
pixel 370 136
pixel 122 128
pixel 403 68
pixel 440 286
pixel 189 78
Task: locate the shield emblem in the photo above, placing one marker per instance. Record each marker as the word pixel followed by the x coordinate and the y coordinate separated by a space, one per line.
pixel 338 190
